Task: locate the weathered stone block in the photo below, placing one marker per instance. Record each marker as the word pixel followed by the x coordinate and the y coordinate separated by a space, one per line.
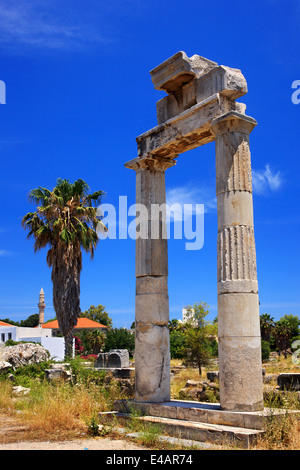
pixel 239 316
pixel 179 69
pixel 118 358
pixel 240 371
pixel 290 381
pixel 4 366
pixel 58 374
pixel 101 360
pixel 230 82
pixel 115 358
pixel 213 376
pixel 152 362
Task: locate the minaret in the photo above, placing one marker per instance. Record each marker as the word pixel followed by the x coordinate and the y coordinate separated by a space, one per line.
pixel 41 306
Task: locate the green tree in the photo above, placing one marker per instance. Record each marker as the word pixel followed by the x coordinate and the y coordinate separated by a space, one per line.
pixel 98 314
pixel 31 322
pixel 282 334
pixel 10 322
pixel 177 344
pixel 294 322
pixel 197 348
pixel 173 324
pixel 119 338
pixel 265 350
pixel 196 314
pixel 66 222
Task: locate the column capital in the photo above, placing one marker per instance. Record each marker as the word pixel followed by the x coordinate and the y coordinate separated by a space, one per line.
pixel 232 122
pixel 149 162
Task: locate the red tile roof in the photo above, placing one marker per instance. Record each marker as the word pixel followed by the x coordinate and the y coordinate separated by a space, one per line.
pixel 81 323
pixel 2 323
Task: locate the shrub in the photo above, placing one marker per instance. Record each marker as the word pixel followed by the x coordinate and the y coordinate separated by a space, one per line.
pixel 119 338
pixel 177 344
pixel 265 350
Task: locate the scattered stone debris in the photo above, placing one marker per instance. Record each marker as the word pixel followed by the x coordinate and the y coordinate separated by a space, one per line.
pixel 24 354
pixel 4 366
pixel 19 390
pixel 59 372
pixel 202 390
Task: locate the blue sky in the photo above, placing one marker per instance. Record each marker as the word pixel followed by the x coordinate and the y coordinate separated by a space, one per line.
pixel 78 92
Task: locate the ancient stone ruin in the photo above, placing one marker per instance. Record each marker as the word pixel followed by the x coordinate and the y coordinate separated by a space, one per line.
pixel 200 107
pixel 115 358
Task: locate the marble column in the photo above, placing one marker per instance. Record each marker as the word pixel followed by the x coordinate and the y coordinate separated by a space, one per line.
pixel 152 344
pixel 240 365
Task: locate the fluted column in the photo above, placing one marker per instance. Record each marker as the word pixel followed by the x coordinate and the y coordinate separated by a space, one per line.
pixel 240 366
pixel 152 344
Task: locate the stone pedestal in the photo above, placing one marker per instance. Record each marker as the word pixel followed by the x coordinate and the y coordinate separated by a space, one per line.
pixel 238 307
pixel 152 344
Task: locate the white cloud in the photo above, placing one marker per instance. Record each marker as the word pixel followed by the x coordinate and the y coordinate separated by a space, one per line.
pixel 187 195
pixel 43 24
pixel 5 253
pixel 266 180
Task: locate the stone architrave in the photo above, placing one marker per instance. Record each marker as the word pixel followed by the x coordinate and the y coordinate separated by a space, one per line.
pixel 200 107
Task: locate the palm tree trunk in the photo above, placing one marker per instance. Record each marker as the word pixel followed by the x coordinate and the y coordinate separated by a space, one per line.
pixel 69 345
pixel 66 292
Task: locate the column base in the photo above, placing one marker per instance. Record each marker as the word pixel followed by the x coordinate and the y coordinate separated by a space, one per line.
pixel 240 374
pixel 152 363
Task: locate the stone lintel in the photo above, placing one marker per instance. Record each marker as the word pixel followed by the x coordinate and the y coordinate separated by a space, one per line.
pixel 188 130
pixel 178 70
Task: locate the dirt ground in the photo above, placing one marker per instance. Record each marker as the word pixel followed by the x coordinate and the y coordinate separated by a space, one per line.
pixel 96 443
pixel 13 436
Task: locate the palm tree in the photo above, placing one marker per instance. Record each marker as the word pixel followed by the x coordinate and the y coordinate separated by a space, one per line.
pixel 283 333
pixel 66 221
pixel 97 340
pixel 266 326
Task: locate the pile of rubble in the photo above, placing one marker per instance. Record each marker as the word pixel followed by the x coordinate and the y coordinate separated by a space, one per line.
pixel 22 354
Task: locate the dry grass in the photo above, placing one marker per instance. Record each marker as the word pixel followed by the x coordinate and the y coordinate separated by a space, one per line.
pixel 281 433
pixel 63 411
pixel 181 379
pixel 52 412
pixel 281 366
pixel 5 396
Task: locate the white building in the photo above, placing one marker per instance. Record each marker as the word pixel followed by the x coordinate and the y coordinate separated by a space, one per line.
pixel 19 333
pixel 188 316
pixel 55 346
pixel 39 334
